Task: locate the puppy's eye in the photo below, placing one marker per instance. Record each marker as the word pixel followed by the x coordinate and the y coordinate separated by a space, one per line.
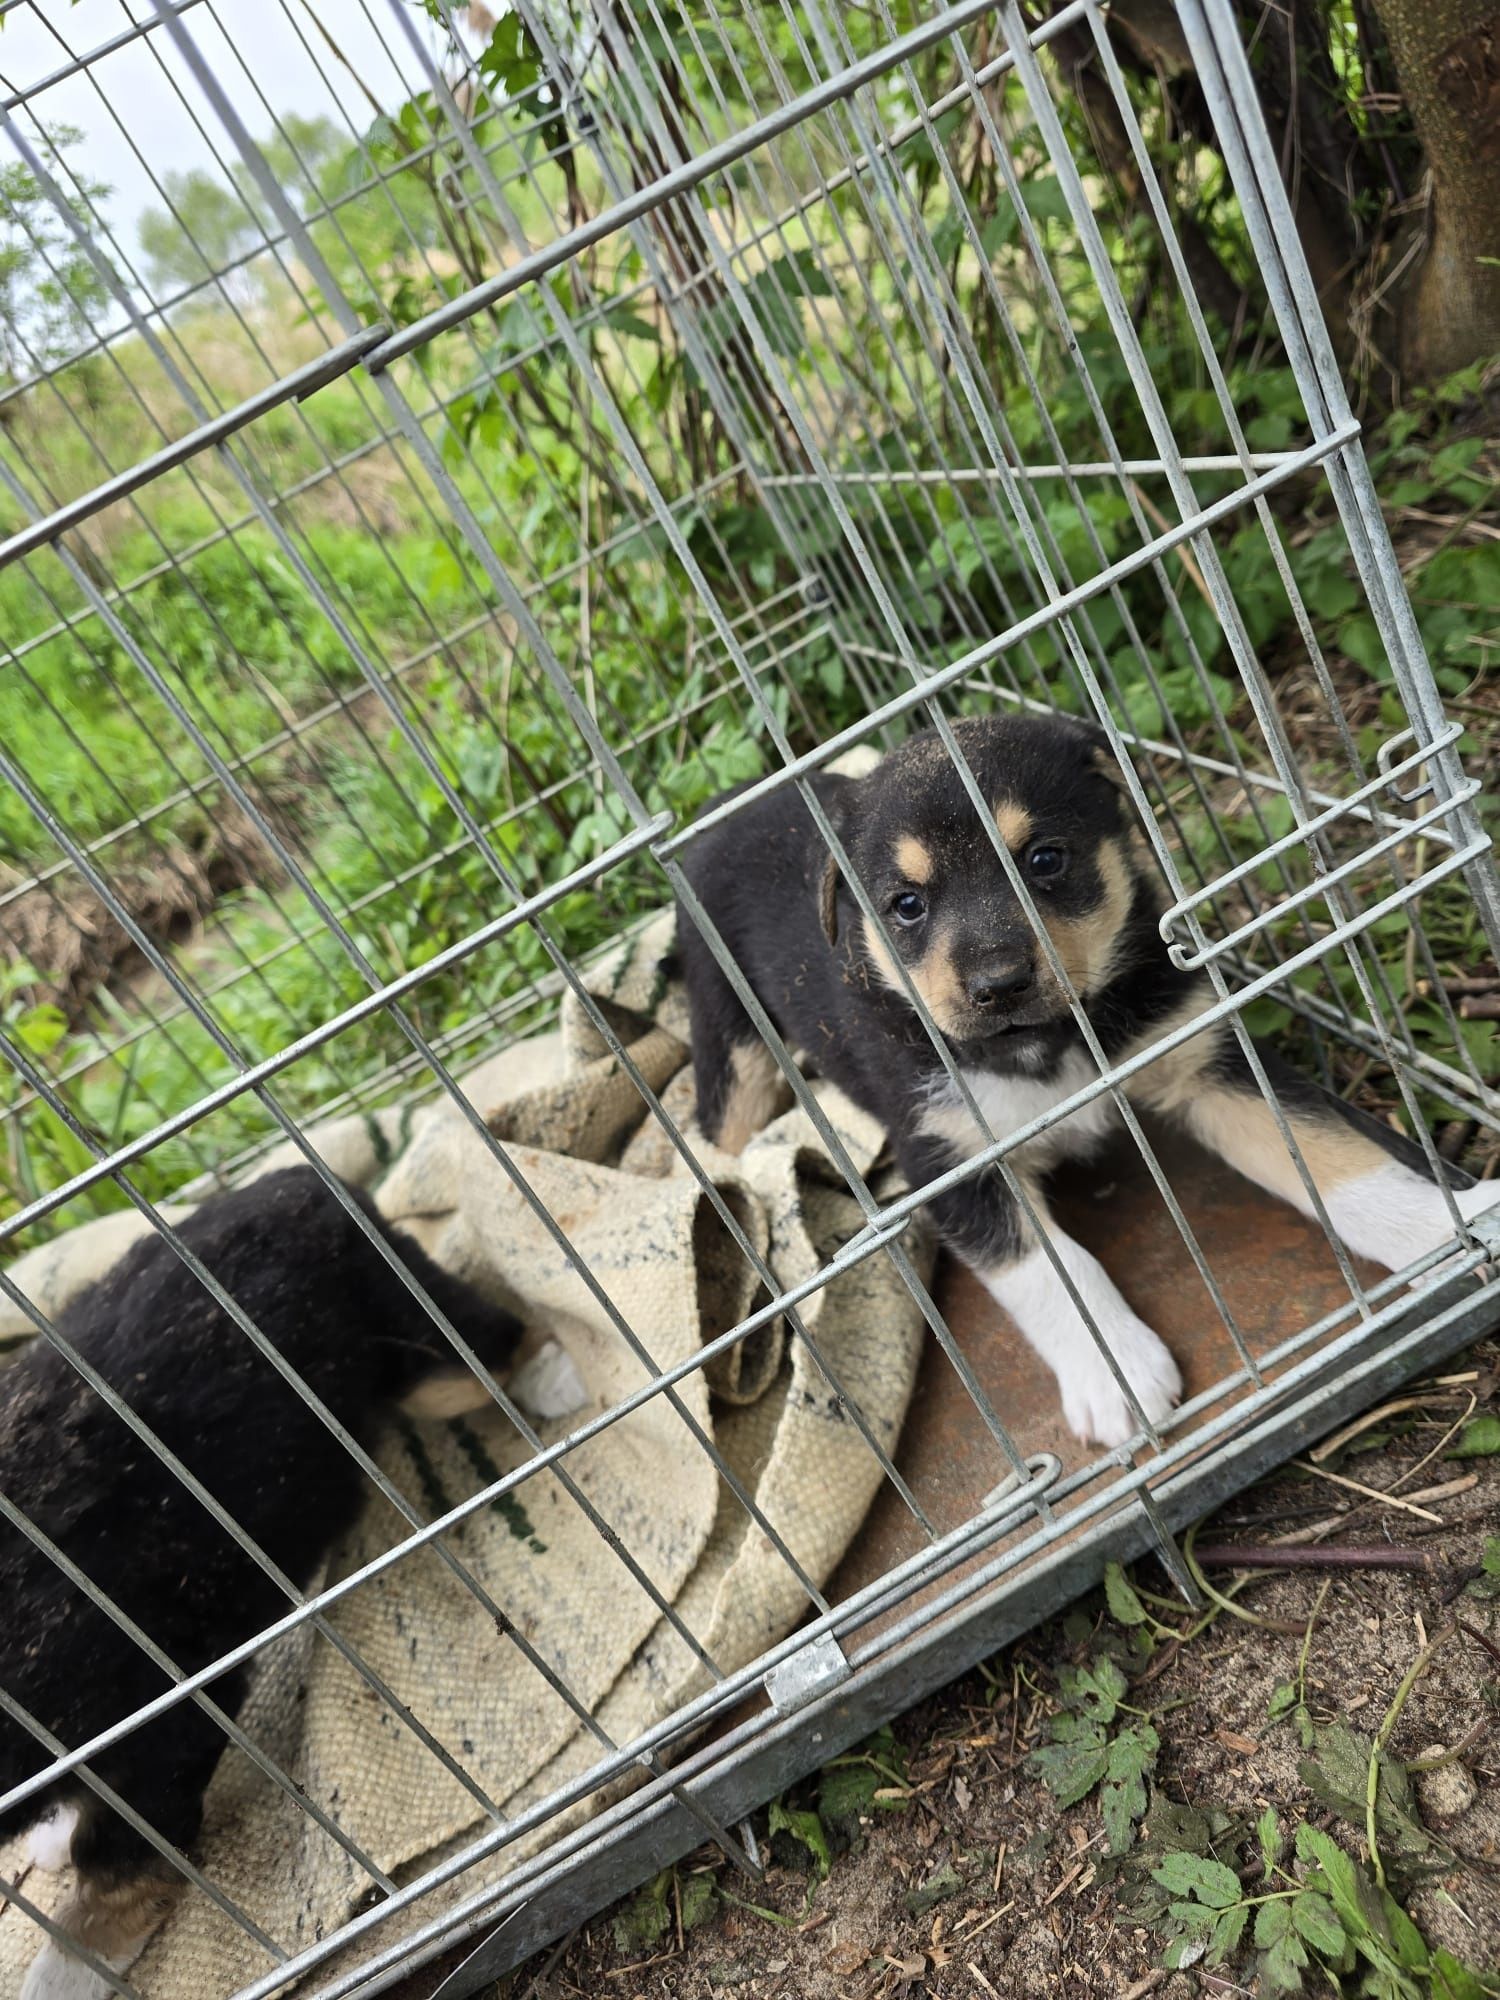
pixel 908 907
pixel 1046 862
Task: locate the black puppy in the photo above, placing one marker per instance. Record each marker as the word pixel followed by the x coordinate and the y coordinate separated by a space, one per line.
pixel 832 986
pixel 299 1267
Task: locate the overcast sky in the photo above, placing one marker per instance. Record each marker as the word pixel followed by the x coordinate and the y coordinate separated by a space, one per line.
pixel 136 124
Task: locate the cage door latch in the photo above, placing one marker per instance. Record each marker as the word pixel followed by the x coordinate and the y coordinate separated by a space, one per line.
pixel 810 1672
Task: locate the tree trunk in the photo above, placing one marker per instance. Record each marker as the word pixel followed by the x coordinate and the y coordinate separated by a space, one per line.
pixel 1447 59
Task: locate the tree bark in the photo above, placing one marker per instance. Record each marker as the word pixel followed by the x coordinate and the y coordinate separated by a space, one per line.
pixel 1447 59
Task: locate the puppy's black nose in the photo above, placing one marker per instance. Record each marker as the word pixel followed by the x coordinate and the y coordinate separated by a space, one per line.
pixel 1001 981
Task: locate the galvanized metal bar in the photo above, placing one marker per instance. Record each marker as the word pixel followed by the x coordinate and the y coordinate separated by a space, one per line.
pixel 713 160
pixel 77 65
pixel 1230 92
pixel 982 475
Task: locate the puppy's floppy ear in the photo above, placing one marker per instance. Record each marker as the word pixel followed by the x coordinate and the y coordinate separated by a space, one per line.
pixel 828 899
pixel 828 881
pixel 1100 757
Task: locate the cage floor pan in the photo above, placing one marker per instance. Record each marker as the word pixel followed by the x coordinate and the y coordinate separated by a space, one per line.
pixel 1274 1267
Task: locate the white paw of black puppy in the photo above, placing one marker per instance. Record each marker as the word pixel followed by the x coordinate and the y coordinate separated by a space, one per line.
pixel 548 1385
pixel 1094 1406
pixel 53 1975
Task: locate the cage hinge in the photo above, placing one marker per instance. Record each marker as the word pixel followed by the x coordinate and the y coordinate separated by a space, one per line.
pixel 811 1671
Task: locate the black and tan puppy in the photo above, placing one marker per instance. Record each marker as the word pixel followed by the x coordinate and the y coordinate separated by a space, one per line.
pixel 299 1267
pixel 831 984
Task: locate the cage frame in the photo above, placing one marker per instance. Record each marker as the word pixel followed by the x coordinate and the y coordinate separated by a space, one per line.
pixel 822 1697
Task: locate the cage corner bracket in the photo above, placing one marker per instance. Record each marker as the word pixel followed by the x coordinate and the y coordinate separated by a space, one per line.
pixel 811 1671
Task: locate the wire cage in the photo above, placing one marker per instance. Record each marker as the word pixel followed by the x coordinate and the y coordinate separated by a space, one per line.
pixel 654 400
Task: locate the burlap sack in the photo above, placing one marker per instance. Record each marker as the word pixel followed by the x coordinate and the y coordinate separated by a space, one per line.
pixel 573 1126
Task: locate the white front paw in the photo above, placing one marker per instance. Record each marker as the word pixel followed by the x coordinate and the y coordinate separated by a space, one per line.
pixel 51 1841
pixel 1042 1306
pixel 55 1976
pixel 1477 1200
pixel 548 1385
pixel 1094 1405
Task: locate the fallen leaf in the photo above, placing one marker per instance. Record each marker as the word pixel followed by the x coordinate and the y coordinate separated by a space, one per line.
pixel 846 1958
pixel 1244 1746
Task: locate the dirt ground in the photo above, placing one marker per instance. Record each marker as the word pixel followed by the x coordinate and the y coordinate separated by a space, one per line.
pixel 959 1872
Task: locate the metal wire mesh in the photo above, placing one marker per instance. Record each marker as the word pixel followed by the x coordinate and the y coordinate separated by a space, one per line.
pixel 860 448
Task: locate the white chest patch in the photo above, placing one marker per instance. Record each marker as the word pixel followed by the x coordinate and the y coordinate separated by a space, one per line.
pixel 1010 1102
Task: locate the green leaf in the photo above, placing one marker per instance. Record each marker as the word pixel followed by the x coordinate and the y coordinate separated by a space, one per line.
pixel 1491 1557
pixel 699 1898
pixel 1199 1876
pixel 1453 1981
pixel 845 1791
pixel 1272 1922
pixel 1228 1929
pixel 1336 1775
pixel 1282 1702
pixel 1177 1828
pixel 807 1829
pixel 936 1889
pixel 1120 1813
pixel 1282 1967
pixel 847 1788
pixel 1345 1885
pixel 646 1917
pixel 1268 1833
pixel 1071 1770
pixel 1133 1755
pixel 1314 1918
pixel 1124 1606
pixel 1191 1920
pixel 1361 641
pixel 1130 1760
pixel 1095 1690
pixel 1409 1944
pixel 1480 1439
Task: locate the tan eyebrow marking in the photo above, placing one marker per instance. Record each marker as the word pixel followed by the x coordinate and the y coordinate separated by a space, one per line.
pixel 913 858
pixel 1014 823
